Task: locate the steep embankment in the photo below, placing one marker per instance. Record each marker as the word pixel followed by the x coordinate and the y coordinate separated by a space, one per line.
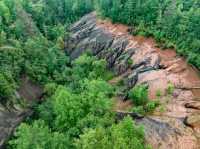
pixel 178 125
pixel 12 116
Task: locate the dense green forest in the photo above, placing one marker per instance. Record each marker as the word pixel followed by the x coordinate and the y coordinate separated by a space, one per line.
pixel 76 111
pixel 174 24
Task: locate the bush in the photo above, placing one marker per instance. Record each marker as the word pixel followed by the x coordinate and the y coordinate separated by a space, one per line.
pixel 151 106
pixel 158 93
pixel 139 109
pixel 170 88
pixel 130 62
pixel 139 95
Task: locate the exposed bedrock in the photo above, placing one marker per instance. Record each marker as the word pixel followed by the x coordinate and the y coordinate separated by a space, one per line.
pixel 12 116
pixel 86 34
pixel 138 61
pixel 9 120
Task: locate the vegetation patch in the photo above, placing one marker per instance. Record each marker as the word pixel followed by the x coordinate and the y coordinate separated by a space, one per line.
pixel 170 88
pixel 139 96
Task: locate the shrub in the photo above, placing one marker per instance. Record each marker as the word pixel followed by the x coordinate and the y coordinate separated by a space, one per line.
pixel 139 95
pixel 139 109
pixel 158 93
pixel 151 106
pixel 170 88
pixel 162 108
pixel 130 62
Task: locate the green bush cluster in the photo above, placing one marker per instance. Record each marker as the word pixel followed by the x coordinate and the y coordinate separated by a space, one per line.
pixel 170 88
pixel 139 96
pixel 174 23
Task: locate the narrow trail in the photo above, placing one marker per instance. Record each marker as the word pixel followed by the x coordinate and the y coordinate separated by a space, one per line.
pixel 178 126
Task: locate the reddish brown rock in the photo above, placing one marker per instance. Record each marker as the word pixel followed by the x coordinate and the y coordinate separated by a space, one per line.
pixel 194 105
pixel 193 120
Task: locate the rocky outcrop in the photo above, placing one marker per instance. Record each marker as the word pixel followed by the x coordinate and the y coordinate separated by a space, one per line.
pixel 160 133
pixel 12 116
pixel 9 120
pixel 193 120
pixel 86 34
pixel 137 60
pixel 193 105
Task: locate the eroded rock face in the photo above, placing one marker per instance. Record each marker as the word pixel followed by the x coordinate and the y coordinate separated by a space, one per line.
pixel 193 105
pixel 193 120
pixel 12 116
pixel 85 34
pixel 150 65
pixel 9 120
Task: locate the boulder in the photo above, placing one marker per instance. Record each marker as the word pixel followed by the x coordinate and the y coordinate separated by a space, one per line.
pixel 193 105
pixel 193 120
